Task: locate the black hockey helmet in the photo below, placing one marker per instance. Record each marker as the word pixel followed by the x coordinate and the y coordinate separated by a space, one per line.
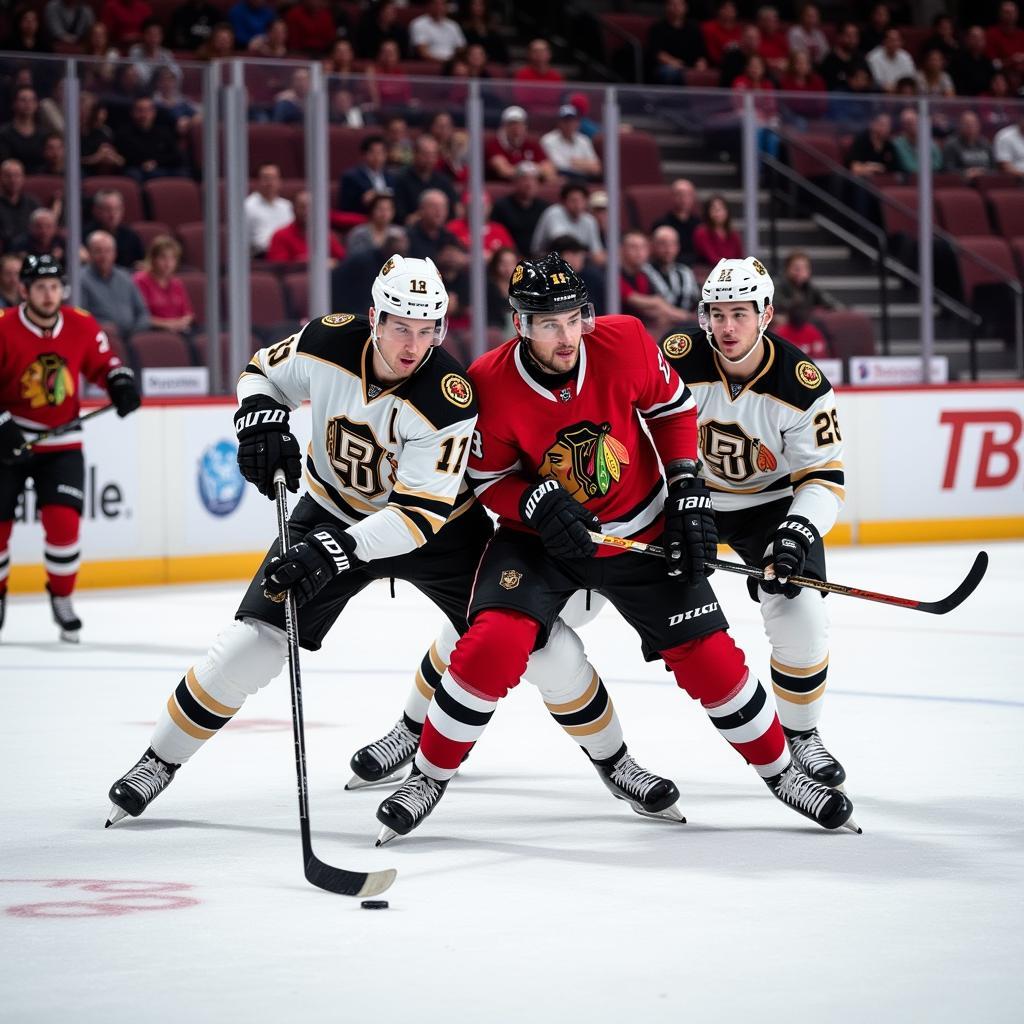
pixel 546 285
pixel 35 267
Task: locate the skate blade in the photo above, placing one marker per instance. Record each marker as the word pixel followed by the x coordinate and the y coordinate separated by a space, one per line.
pixel 668 814
pixel 70 636
pixel 386 835
pixel 852 826
pixel 356 782
pixel 116 814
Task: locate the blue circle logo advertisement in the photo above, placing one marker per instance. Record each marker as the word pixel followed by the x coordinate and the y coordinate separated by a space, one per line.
pixel 221 485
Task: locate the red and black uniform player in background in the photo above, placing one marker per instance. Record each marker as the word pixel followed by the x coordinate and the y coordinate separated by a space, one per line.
pixel 45 350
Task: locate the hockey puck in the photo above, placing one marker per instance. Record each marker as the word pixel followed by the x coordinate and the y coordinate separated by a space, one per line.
pixel 374 904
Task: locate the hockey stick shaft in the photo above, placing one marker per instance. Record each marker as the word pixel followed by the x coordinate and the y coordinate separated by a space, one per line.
pixel 348 883
pixel 65 428
pixel 947 604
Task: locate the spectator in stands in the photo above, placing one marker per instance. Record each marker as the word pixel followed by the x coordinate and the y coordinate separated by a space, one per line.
pixel 774 41
pixel 220 45
pixel 290 244
pixel 27 36
pixel 311 28
pixel 890 62
pixel 475 57
pixel 42 237
pixel 793 326
pixel 675 44
pixel 170 103
pixel 99 154
pixel 165 296
pixel 290 103
pixel 108 218
pixel 386 80
pixel 1005 39
pixel 422 174
pixel 374 232
pixel 905 144
pixel 250 18
pixel 495 236
pixel 734 63
pixel 521 209
pixel 50 116
pixel 53 154
pixel 435 36
pixel 637 294
pixel 22 137
pixel 528 93
pixel 512 145
pixel 714 239
pixel 10 276
pixel 797 286
pixel 149 53
pixel 569 216
pixel 481 27
pixel 68 21
pixel 98 74
pixel 872 152
pixel 148 145
pixel 973 69
pixel 996 107
pixel 428 235
pixel 766 109
pixel 352 279
pixel 800 76
pixel 672 280
pixel 879 21
pixel 850 106
pixel 124 18
pixel 722 32
pixel 379 23
pixel 344 109
pixel 571 152
pixel 932 79
pixel 943 38
pixel 499 272
pixel 807 35
pixel 968 151
pixel 108 291
pixel 361 183
pixel 1009 147
pixel 453 145
pixel 453 265
pixel 682 217
pixel 192 23
pixel 575 253
pixel 273 43
pixel 588 126
pixel 844 57
pixel 398 142
pixel 266 210
pixel 341 62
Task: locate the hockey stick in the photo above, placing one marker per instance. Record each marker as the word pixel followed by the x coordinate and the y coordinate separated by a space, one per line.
pixel 348 883
pixel 947 604
pixel 57 431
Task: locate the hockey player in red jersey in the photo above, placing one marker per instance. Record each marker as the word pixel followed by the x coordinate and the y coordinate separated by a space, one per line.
pixel 559 451
pixel 45 349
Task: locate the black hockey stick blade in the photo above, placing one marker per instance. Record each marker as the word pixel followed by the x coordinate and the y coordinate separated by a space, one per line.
pixel 347 883
pixel 964 591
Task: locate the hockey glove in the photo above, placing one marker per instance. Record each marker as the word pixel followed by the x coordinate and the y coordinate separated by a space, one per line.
pixel 562 522
pixel 123 391
pixel 11 439
pixel 307 567
pixel 691 535
pixel 787 553
pixel 265 445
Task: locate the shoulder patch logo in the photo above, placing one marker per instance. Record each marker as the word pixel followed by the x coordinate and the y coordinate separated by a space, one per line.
pixel 808 374
pixel 677 345
pixel 457 390
pixel 517 274
pixel 338 319
pixel 510 579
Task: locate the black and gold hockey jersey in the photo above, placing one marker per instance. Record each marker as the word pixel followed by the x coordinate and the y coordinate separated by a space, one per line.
pixel 389 461
pixel 777 435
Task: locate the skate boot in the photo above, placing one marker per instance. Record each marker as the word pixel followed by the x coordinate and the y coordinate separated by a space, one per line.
pixel 648 794
pixel 408 805
pixel 809 752
pixel 134 792
pixel 828 807
pixel 384 759
pixel 65 617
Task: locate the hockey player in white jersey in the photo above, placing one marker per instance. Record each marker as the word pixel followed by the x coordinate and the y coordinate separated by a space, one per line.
pixel 772 450
pixel 393 419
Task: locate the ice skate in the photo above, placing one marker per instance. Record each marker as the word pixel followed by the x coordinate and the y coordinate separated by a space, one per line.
pixel 384 759
pixel 403 811
pixel 135 791
pixel 809 752
pixel 648 794
pixel 830 808
pixel 65 617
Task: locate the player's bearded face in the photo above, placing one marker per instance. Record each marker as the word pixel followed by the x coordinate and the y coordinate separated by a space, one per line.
pixel 44 297
pixel 403 344
pixel 737 328
pixel 554 339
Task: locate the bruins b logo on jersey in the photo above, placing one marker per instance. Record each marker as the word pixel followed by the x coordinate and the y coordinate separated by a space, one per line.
pixel 586 460
pixel 734 455
pixel 358 458
pixel 47 381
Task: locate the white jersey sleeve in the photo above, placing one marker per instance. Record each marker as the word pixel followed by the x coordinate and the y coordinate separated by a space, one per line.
pixel 276 372
pixel 814 452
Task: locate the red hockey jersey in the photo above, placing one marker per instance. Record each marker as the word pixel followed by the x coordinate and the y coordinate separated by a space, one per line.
pixel 40 371
pixel 586 435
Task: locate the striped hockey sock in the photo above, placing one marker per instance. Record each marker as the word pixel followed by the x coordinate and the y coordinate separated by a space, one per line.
pixel 800 693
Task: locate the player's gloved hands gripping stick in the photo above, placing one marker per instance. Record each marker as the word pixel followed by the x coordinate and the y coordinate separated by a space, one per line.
pixel 691 535
pixel 562 522
pixel 265 444
pixel 787 552
pixel 307 567
pixel 123 390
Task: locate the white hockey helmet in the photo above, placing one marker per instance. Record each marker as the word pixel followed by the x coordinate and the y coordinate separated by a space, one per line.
pixel 411 288
pixel 744 280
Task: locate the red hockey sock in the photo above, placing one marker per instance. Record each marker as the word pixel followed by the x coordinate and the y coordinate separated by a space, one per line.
pixel 6 526
pixel 61 554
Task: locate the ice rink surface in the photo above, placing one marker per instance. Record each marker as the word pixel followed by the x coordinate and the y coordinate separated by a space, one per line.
pixel 530 894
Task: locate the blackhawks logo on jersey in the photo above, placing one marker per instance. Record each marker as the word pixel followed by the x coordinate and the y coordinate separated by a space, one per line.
pixel 586 460
pixel 732 454
pixel 47 381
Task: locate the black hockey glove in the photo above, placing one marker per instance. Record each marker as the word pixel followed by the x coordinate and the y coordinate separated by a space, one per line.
pixel 307 567
pixel 265 445
pixel 11 439
pixel 123 391
pixel 562 522
pixel 691 534
pixel 794 537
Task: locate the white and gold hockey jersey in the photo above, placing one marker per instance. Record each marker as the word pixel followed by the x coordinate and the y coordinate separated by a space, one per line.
pixel 387 461
pixel 776 436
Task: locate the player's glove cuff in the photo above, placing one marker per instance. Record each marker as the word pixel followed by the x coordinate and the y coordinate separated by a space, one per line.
pixel 563 524
pixel 123 390
pixel 793 539
pixel 308 566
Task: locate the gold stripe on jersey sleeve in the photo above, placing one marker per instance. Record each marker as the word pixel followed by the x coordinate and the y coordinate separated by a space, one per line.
pixel 208 702
pixel 749 490
pixel 443 498
pixel 800 673
pixel 799 474
pixel 433 518
pixel 187 727
pixel 414 530
pixel 575 705
pixel 591 727
pixel 463 508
